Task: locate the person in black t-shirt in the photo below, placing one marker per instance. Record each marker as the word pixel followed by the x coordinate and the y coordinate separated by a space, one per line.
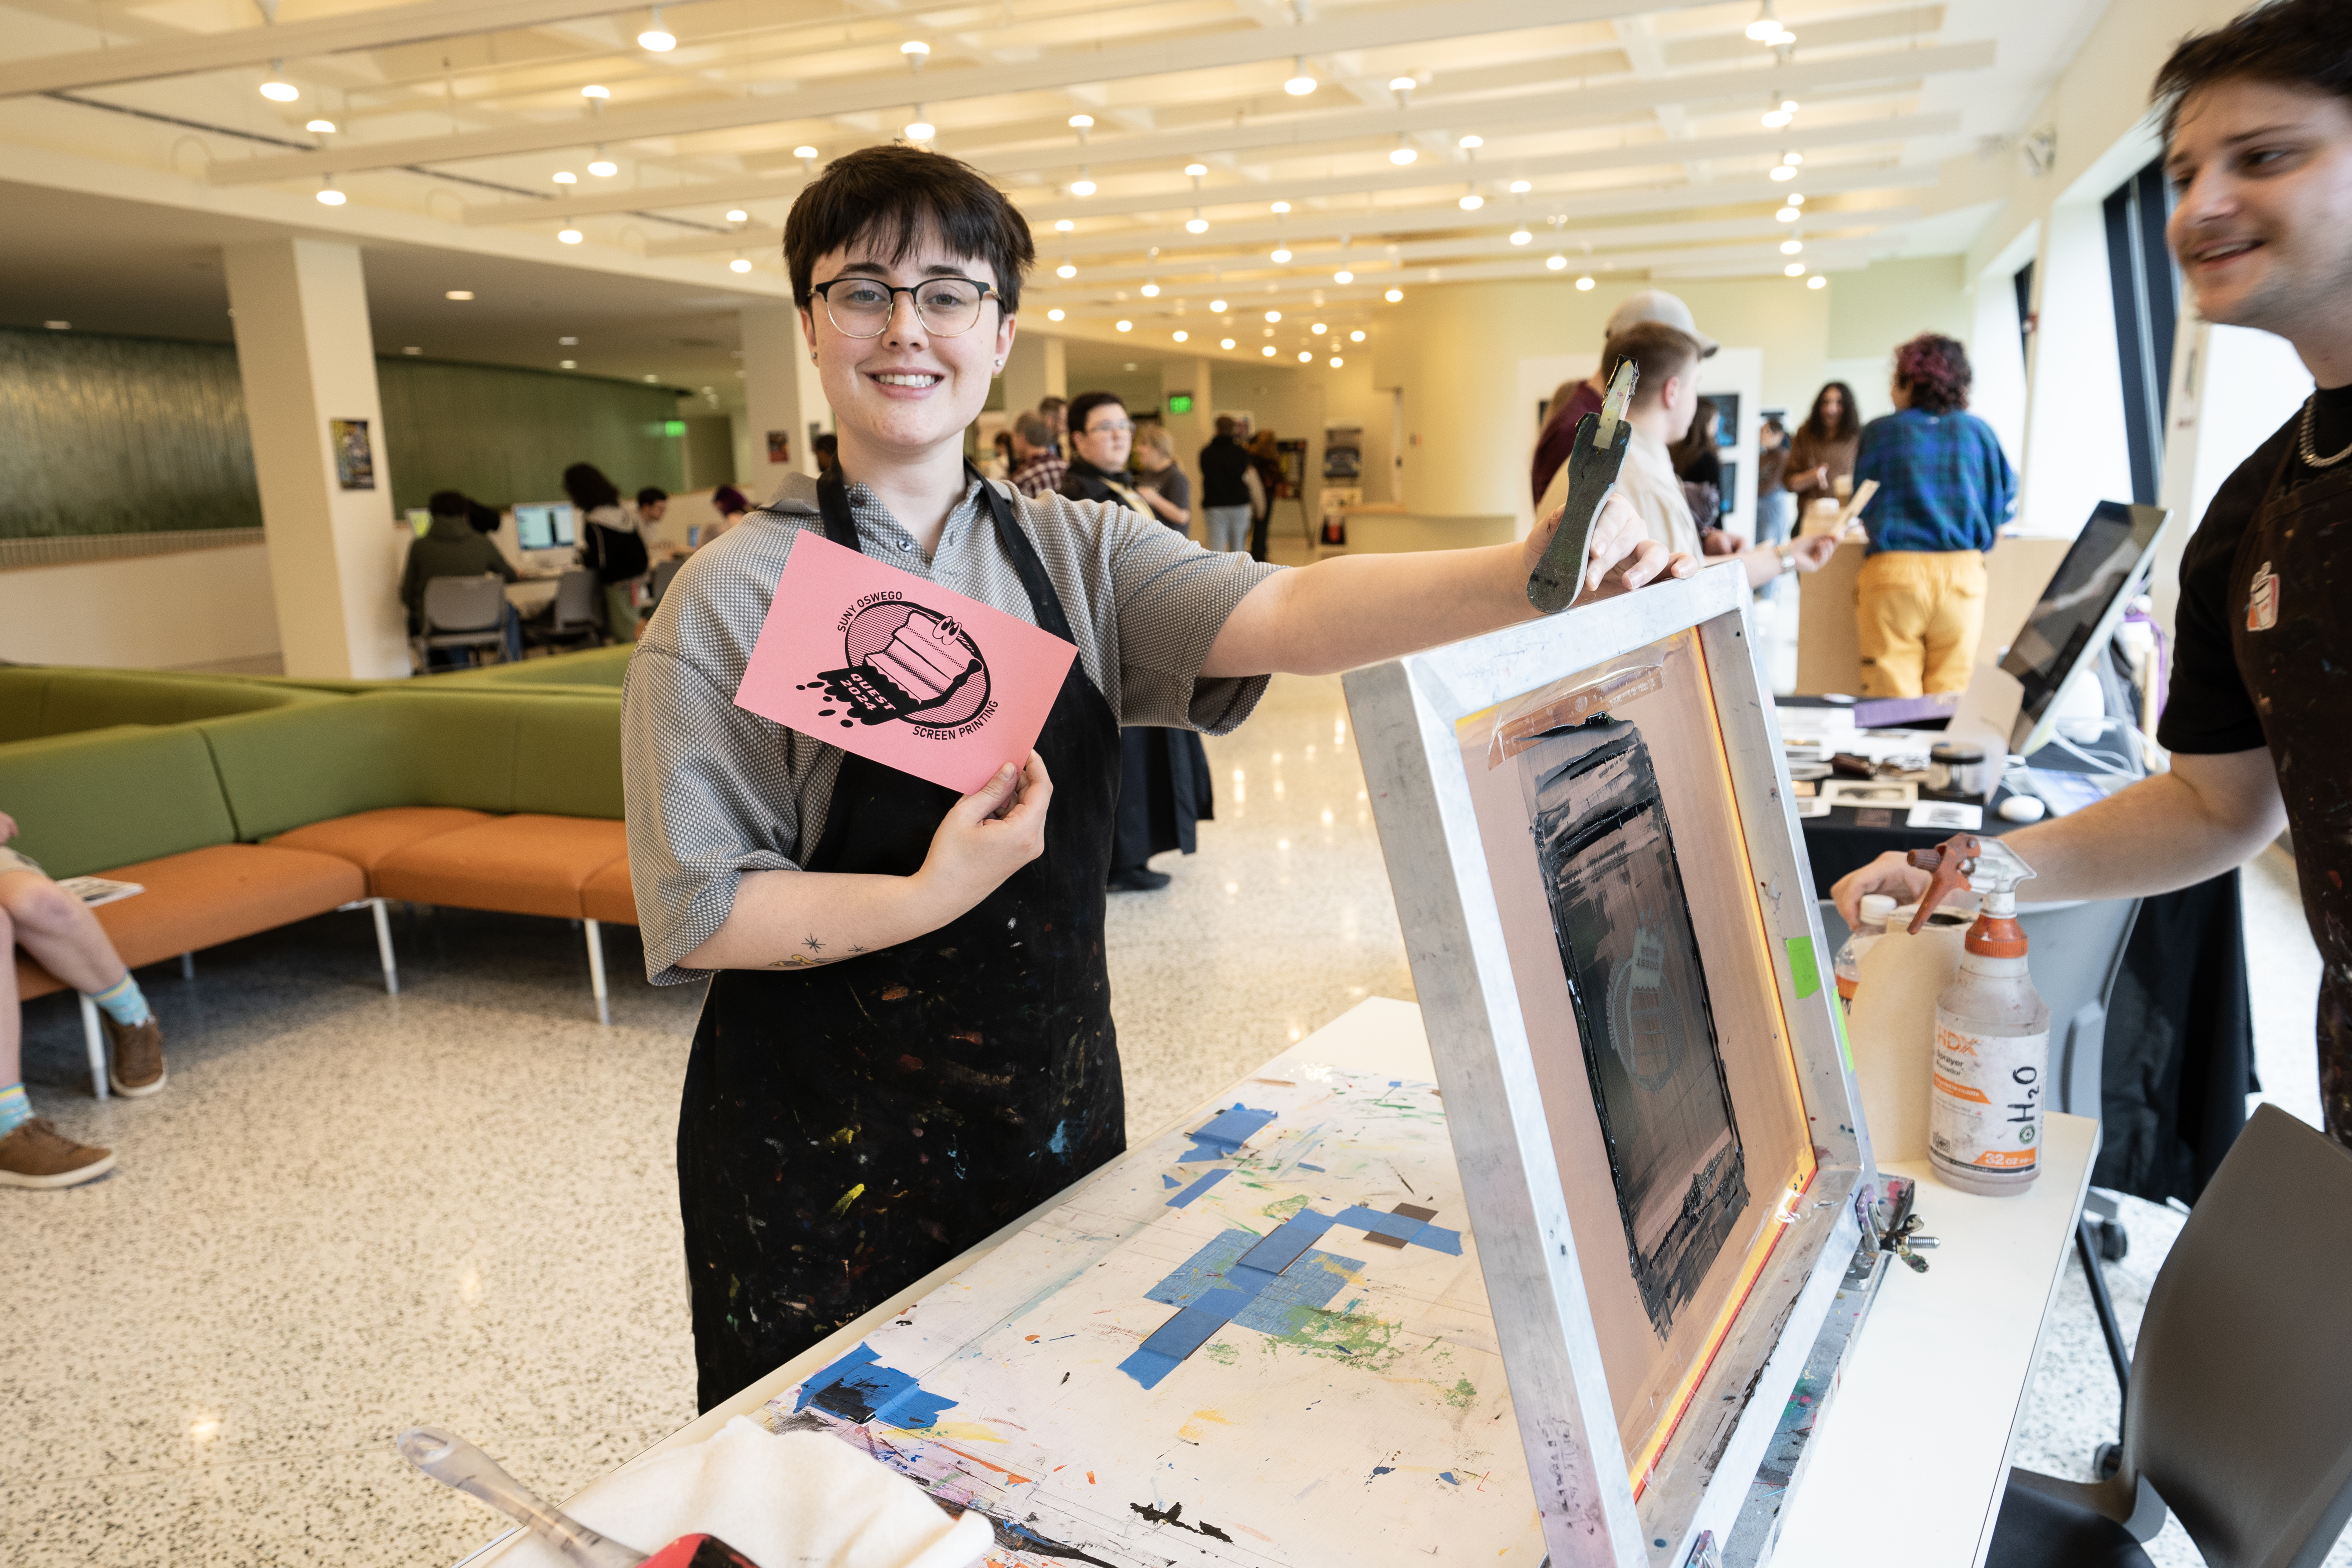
pixel 2258 146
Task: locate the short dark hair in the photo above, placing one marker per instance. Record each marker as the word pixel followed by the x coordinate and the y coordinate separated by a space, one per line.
pixel 589 489
pixel 827 443
pixel 1225 424
pixel 1659 352
pixel 1048 405
pixel 1083 405
pixel 448 503
pixel 894 196
pixel 2296 43
pixel 485 519
pixel 1935 369
pixel 651 495
pixel 1849 426
pixel 726 500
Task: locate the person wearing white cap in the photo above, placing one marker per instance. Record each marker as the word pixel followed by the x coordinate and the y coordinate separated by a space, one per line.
pixel 1577 399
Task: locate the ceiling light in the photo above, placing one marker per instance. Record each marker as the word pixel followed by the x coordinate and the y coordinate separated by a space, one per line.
pixel 1301 84
pixel 1124 326
pixel 1402 84
pixel 1393 295
pixel 1067 270
pixel 1224 343
pixel 1556 263
pixel 1472 142
pixel 915 49
pixel 1776 118
pixel 1788 106
pixel 459 294
pixel 653 378
pixel 1766 29
pixel 276 89
pixel 567 343
pixel 1790 160
pixel 1063 225
pixel 1521 188
pixel 1152 290
pixel 1781 39
pixel 1216 304
pixel 740 263
pixel 1357 336
pixel 1274 315
pixel 67 326
pixel 1081 121
pixel 1794 269
pixel 1305 357
pixel 1336 362
pixel 1183 336
pixel 566 177
pixel 329 195
pixel 320 127
pixel 804 153
pixel 737 215
pixel 1788 214
pixel 1281 254
pixel 1817 281
pixel 657 37
pixel 1196 224
pixel 1343 276
pixel 1796 198
pixel 1053 315
pixel 1584 284
pixel 1082 187
pixel 1784 172
pixel 1267 350
pixel 1281 206
pixel 1473 202
pixel 604 168
pixel 1401 156
pixel 1520 237
pixel 569 236
pixel 593 91
pixel 1791 247
pixel 568 364
pixel 919 129
pixel 1318 329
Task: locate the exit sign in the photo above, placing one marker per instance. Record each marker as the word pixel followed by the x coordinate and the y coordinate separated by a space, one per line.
pixel 1180 402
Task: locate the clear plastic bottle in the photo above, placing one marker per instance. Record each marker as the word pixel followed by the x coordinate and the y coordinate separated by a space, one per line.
pixel 1877 909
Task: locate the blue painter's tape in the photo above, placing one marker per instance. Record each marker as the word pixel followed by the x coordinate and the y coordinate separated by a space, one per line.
pixel 1438 1239
pixel 1148 1367
pixel 1396 1226
pixel 1302 1291
pixel 1189 1330
pixel 1288 1239
pixel 1170 1181
pixel 832 1374
pixel 1447 1477
pixel 856 1388
pixel 1204 1271
pixel 1197 1188
pixel 1226 1132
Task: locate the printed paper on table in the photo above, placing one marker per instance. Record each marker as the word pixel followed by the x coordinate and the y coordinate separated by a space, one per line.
pixel 901 671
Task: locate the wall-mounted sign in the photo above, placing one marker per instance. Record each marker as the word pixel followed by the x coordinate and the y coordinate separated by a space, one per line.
pixel 1180 402
pixel 354 458
pixel 780 446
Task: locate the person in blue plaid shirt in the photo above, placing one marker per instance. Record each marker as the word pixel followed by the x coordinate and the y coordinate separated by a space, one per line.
pixel 1944 489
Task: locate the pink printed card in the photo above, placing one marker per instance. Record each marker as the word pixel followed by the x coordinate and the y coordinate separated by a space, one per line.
pixel 885 665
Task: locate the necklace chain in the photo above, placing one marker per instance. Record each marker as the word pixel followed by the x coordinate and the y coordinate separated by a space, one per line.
pixel 2310 453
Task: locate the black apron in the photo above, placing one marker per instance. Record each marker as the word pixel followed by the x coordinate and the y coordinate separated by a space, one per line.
pixel 846 1129
pixel 2294 644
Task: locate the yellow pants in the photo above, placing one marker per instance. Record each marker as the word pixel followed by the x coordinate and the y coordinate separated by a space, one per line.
pixel 1918 616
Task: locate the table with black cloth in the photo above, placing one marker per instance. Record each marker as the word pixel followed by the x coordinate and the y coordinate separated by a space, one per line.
pixel 2179 1059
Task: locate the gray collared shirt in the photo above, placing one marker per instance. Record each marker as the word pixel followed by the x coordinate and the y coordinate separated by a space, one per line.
pixel 715 791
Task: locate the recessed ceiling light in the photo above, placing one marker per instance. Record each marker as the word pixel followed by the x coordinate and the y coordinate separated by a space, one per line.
pixel 1305 357
pixel 1356 337
pixel 459 294
pixel 1124 326
pixel 569 236
pixel 1184 336
pixel 320 128
pixel 1318 329
pixel 739 265
pixel 656 37
pixel 1274 315
pixel 1336 362
pixel 1216 304
pixel 1224 343
pixel 738 214
pixel 1267 350
pixel 1393 296
pixel 1053 315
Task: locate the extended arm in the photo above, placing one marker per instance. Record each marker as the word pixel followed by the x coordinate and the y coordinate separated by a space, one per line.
pixel 2208 814
pixel 1353 609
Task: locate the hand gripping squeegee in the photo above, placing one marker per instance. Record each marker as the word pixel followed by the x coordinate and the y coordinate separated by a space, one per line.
pixel 1592 468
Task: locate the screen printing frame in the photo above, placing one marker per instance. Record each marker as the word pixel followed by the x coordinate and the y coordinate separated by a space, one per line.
pixel 1405 713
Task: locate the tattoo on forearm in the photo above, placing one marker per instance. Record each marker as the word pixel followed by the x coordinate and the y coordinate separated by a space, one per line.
pixel 813 958
pixel 811 942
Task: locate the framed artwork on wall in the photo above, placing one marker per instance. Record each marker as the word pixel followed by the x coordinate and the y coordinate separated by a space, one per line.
pixel 1594 846
pixel 355 457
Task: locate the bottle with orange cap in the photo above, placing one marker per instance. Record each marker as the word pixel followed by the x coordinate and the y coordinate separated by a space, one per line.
pixel 1993 1028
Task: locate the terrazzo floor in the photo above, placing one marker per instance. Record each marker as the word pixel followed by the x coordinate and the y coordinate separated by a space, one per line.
pixel 350 1212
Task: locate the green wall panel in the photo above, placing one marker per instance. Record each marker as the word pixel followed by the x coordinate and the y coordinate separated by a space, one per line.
pixel 108 435
pixel 503 436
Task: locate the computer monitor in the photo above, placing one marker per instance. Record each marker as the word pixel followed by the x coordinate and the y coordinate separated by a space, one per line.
pixel 420 521
pixel 544 525
pixel 2079 611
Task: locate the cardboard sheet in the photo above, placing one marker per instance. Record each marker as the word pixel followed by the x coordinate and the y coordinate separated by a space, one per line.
pixel 901 671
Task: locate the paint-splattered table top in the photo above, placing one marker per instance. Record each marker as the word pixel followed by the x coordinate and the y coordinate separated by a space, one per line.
pixel 1261 1338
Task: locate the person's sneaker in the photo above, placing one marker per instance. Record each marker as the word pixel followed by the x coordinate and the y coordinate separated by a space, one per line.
pixel 1137 879
pixel 37 1155
pixel 137 1064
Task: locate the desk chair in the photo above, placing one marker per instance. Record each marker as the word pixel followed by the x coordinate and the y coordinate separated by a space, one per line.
pixel 2240 1414
pixel 663 576
pixel 571 617
pixel 467 612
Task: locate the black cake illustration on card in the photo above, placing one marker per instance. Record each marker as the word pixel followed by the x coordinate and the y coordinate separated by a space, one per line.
pixel 903 662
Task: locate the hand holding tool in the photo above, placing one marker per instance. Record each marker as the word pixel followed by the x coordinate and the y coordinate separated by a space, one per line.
pixel 1593 463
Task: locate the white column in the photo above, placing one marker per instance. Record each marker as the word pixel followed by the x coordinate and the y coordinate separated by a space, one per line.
pixel 1037 368
pixel 306 356
pixel 782 396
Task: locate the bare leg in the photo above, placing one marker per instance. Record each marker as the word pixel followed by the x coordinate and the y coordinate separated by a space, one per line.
pixel 59 929
pixel 11 1025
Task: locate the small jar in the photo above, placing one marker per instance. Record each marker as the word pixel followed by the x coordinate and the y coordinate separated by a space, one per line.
pixel 1959 770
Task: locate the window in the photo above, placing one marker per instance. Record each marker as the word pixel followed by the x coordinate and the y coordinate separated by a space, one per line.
pixel 2148 306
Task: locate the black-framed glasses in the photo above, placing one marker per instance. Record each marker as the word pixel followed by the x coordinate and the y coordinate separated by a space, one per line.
pixel 862 307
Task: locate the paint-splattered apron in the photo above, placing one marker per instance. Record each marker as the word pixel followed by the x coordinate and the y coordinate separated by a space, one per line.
pixel 848 1129
pixel 2292 637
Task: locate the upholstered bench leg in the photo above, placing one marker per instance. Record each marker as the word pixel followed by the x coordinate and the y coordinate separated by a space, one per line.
pixel 383 940
pixel 94 1038
pixel 597 970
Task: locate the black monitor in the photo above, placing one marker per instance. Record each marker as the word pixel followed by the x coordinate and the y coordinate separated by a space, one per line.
pixel 544 525
pixel 2102 572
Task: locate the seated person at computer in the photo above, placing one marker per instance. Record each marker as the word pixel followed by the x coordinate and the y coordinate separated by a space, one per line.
pixel 60 932
pixel 453 547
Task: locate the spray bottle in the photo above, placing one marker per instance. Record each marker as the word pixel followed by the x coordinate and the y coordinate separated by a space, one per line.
pixel 1877 908
pixel 1993 1029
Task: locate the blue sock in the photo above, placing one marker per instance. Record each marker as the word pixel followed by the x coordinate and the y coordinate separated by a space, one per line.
pixel 124 1002
pixel 15 1109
